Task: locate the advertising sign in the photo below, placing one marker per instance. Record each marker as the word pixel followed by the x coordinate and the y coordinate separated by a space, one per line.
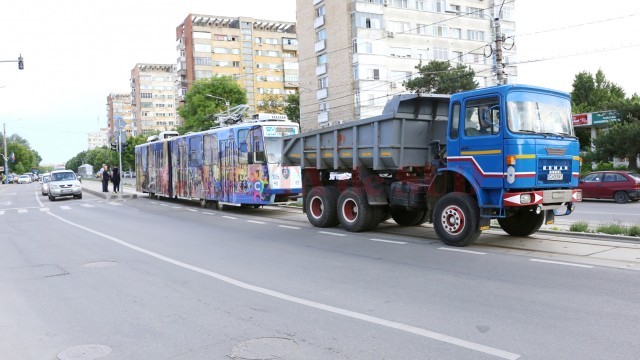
pixel 580 119
pixel 604 117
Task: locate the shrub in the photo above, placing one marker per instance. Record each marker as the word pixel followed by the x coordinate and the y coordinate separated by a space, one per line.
pixel 580 226
pixel 633 230
pixel 612 229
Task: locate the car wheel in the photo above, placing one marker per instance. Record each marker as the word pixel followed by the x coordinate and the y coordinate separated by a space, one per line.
pixel 455 219
pixel 621 197
pixel 51 198
pixel 79 196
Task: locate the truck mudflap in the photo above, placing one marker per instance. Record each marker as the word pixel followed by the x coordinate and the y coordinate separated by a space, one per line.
pixel 544 198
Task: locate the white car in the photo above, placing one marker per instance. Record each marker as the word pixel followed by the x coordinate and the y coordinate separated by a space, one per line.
pixel 24 179
pixel 64 183
pixel 45 184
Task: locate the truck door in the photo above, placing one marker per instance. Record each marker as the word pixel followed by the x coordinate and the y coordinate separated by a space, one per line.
pixel 480 141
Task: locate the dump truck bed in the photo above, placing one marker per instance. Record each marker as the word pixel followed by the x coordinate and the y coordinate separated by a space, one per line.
pixel 401 137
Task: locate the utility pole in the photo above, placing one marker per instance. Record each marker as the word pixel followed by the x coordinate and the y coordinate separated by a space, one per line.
pixel 6 165
pixel 499 39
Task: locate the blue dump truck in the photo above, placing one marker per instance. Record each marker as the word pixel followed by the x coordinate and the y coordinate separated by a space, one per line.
pixel 458 161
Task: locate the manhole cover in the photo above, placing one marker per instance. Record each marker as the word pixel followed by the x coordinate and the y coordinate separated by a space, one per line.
pixel 85 352
pixel 101 264
pixel 263 349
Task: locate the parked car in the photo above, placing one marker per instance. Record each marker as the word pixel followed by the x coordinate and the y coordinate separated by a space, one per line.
pixel 64 183
pixel 45 184
pixel 24 179
pixel 126 174
pixel 620 186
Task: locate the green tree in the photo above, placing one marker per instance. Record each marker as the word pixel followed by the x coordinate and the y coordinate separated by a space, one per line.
pixel 24 159
pixel 621 141
pixel 439 77
pixel 199 108
pixel 292 107
pixel 595 93
pixel 271 104
pixel 128 154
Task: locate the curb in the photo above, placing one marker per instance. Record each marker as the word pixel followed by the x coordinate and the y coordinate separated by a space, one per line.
pixel 109 196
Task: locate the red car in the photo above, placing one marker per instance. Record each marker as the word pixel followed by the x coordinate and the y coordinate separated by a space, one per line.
pixel 620 186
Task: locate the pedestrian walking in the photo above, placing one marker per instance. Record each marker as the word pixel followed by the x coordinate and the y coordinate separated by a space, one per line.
pixel 105 178
pixel 115 179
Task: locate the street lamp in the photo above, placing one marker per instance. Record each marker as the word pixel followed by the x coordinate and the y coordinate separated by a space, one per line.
pixel 226 102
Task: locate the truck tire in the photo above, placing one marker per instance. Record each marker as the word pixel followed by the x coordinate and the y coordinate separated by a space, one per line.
pixel 354 212
pixel 523 223
pixel 456 219
pixel 379 212
pixel 405 217
pixel 321 206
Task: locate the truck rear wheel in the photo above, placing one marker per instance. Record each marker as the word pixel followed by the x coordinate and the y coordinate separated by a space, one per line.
pixel 456 219
pixel 404 217
pixel 523 223
pixel 354 212
pixel 321 206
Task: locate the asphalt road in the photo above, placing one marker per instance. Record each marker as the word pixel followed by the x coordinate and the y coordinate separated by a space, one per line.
pixel 598 212
pixel 149 279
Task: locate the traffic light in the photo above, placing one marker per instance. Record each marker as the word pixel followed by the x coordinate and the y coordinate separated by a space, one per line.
pixel 20 62
pixel 114 146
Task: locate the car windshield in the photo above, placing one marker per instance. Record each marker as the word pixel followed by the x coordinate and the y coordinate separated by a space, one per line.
pixel 539 113
pixel 63 176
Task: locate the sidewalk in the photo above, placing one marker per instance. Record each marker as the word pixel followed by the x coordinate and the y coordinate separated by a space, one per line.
pixel 95 187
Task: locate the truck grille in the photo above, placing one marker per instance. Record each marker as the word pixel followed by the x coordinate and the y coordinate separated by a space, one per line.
pixel 554 171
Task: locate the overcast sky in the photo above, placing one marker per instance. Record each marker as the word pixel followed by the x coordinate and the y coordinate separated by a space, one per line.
pixel 76 52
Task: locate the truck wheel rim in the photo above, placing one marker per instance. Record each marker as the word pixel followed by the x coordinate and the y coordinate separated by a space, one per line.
pixel 350 210
pixel 452 220
pixel 317 207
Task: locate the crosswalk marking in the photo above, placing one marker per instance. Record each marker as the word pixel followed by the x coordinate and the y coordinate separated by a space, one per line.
pixel 65 207
pixel 22 211
pixel 44 209
pixel 1 212
pixel 87 205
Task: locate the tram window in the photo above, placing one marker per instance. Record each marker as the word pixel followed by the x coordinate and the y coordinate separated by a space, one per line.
pixel 242 147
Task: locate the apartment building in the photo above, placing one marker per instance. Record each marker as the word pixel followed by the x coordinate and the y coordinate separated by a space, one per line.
pixel 355 55
pixel 262 55
pixel 119 112
pixel 153 98
pixel 98 139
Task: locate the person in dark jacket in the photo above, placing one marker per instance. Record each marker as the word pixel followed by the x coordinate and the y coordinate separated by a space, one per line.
pixel 105 178
pixel 115 179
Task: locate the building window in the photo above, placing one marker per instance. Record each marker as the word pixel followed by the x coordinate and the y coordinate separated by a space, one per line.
pixel 475 35
pixel 422 29
pixel 439 6
pixel 320 11
pixel 367 20
pixel 291 78
pixel 146 95
pixel 400 3
pixel 201 35
pixel 289 54
pixel 203 61
pixel 421 5
pixel 400 52
pixel 289 41
pixel 269 53
pixel 441 54
pixel 324 106
pixel 456 33
pixel 323 83
pixel 321 59
pixel 440 30
pixel 203 74
pixel 398 26
pixel 321 35
pixel 422 53
pixel 457 56
pixel 202 48
pixel 475 13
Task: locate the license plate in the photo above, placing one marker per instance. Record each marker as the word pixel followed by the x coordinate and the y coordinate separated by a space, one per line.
pixel 66 191
pixel 554 177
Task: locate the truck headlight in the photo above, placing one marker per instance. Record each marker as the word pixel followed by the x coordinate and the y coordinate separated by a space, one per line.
pixel 525 198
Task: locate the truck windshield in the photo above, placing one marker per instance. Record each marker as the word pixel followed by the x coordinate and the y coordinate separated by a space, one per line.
pixel 539 113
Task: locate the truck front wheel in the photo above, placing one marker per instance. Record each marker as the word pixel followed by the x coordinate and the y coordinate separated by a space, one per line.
pixel 456 219
pixel 354 212
pixel 321 206
pixel 523 223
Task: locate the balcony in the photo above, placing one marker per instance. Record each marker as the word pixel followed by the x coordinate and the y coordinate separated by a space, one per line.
pixel 316 2
pixel 323 117
pixel 319 21
pixel 289 47
pixel 321 69
pixel 320 45
pixel 322 93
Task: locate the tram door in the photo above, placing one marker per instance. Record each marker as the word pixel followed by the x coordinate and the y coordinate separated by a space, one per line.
pixel 227 172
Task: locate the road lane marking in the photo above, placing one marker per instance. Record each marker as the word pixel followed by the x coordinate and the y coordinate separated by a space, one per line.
pixel 256 222
pixel 44 209
pixel 1 212
pixel 87 205
pixel 192 210
pixel 561 263
pixel 208 213
pixel 463 251
pixel 65 207
pixel 331 233
pixel 230 217
pixel 390 241
pixel 289 227
pixel 22 211
pixel 164 205
pixel 305 302
pixel 176 207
